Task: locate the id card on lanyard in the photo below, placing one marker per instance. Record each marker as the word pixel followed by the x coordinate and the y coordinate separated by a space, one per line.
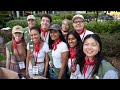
pixel 35 69
pixel 21 65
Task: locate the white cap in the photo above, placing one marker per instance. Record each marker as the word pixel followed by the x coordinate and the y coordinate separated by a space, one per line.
pixel 31 17
pixel 78 16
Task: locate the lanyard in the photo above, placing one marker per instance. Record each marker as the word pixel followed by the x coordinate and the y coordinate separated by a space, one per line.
pixel 36 58
pixel 45 36
pixel 83 35
pixel 89 73
pixel 18 53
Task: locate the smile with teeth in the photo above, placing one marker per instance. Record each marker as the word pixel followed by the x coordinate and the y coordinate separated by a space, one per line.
pixel 89 52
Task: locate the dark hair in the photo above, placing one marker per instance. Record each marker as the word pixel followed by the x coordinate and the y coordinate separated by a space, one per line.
pixel 36 28
pixel 78 46
pixel 50 42
pixel 48 16
pixel 99 56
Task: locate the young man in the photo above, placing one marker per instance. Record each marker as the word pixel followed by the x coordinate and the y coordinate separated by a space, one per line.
pixel 45 25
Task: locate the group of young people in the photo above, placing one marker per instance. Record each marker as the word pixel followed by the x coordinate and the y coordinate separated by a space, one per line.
pixel 56 52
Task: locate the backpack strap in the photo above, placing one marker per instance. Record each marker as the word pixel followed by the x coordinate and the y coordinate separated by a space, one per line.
pixel 26 35
pixel 31 49
pixel 55 70
pixel 50 56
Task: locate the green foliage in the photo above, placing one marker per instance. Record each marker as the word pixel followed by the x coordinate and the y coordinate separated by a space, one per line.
pixel 22 23
pixel 62 16
pixel 4 17
pixel 86 15
pixel 103 27
pixel 2 57
pixel 13 23
pixel 111 44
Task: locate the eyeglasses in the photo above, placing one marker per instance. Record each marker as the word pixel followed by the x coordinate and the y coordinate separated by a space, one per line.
pixel 78 21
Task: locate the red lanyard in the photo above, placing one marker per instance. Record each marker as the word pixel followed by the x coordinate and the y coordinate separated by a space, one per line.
pixel 44 33
pixel 89 73
pixel 37 50
pixel 45 36
pixel 72 56
pixel 36 58
pixel 18 54
pixel 83 35
pixel 15 46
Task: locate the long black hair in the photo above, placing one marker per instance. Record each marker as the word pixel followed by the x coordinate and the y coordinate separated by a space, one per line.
pixel 50 42
pixel 99 56
pixel 36 28
pixel 79 54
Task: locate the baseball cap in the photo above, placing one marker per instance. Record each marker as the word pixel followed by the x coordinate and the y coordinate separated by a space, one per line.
pixel 17 28
pixel 31 17
pixel 77 16
pixel 55 27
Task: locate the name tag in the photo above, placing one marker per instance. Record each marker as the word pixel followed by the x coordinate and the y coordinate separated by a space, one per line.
pixel 21 65
pixel 35 69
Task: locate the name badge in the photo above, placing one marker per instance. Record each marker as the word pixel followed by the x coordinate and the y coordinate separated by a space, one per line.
pixel 21 65
pixel 35 69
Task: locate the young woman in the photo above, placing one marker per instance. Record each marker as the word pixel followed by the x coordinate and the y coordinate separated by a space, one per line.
pixel 75 48
pixel 94 65
pixel 58 53
pixel 37 55
pixel 16 52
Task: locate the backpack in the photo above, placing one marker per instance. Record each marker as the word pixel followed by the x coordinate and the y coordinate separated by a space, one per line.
pixel 26 35
pixel 104 67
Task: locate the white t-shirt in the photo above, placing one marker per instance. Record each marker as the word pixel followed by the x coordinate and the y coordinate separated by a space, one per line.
pixel 56 55
pixel 82 36
pixel 41 54
pixel 40 58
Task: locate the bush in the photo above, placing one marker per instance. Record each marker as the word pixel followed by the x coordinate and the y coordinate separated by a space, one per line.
pixel 13 23
pixel 103 27
pixel 111 44
pixel 4 17
pixel 2 57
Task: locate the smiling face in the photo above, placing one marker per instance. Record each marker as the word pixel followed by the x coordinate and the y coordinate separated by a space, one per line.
pixel 35 36
pixel 91 47
pixel 18 36
pixel 45 23
pixel 65 27
pixel 54 35
pixel 31 23
pixel 72 41
pixel 78 24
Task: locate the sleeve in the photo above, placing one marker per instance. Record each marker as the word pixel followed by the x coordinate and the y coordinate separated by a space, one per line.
pixel 46 47
pixel 64 47
pixel 111 74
